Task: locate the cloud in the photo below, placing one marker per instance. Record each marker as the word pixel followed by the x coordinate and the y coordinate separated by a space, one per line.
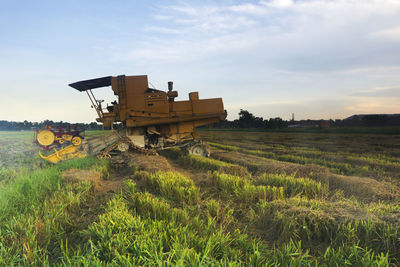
pixel 391 34
pixel 380 92
pixel 301 36
pixel 281 56
pixel 374 106
pixel 321 108
pixel 164 30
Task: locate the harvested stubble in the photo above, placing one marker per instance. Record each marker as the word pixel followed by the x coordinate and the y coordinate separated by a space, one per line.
pixel 294 186
pixel 350 143
pixel 363 188
pixel 340 223
pixel 206 164
pixel 243 191
pixel 377 166
pixel 209 164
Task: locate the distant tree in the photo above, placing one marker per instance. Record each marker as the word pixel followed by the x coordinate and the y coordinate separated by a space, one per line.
pixel 248 120
pixel 375 120
pixel 277 122
pixel 94 125
pixel 245 119
pixel 27 125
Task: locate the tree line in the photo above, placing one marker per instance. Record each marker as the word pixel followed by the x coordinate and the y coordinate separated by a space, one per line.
pixel 28 126
pixel 246 120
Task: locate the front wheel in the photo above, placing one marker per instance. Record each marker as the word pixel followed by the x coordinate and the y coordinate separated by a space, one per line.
pixel 123 147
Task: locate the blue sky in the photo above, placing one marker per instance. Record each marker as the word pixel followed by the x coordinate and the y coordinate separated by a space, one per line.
pixel 317 59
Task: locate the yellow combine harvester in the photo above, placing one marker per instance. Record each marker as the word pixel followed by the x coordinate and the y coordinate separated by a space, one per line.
pixel 149 118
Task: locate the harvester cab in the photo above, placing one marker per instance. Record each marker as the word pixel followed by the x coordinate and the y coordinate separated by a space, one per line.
pixel 149 118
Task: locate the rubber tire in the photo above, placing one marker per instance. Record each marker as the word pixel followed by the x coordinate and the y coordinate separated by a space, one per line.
pixel 199 150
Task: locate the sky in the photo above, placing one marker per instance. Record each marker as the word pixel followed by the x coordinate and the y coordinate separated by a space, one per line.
pixel 316 59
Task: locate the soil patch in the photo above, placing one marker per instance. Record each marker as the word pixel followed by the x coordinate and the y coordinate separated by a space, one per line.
pixel 100 186
pixel 150 163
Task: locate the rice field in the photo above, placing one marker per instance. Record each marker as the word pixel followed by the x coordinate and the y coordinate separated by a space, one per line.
pixel 261 199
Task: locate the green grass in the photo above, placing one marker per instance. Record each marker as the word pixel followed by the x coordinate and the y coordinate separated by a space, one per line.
pixel 17 151
pixel 205 164
pixel 294 186
pixel 34 210
pixel 91 133
pixel 353 255
pixel 242 190
pixel 121 237
pixel 28 190
pixel 148 205
pixel 171 185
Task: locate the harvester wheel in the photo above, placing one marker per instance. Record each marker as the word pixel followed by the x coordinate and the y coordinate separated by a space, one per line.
pixel 124 146
pixel 45 137
pixel 76 140
pixel 199 150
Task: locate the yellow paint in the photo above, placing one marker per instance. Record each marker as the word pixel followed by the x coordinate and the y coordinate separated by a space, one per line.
pixel 68 152
pixel 45 137
pixel 76 141
pixel 67 137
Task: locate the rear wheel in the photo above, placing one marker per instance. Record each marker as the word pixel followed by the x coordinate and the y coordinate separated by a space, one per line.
pixel 199 149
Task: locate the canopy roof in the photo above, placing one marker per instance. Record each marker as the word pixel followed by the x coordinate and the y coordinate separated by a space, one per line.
pixel 91 84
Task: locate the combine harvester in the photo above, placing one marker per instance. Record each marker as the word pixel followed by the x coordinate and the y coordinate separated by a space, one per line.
pixel 150 120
